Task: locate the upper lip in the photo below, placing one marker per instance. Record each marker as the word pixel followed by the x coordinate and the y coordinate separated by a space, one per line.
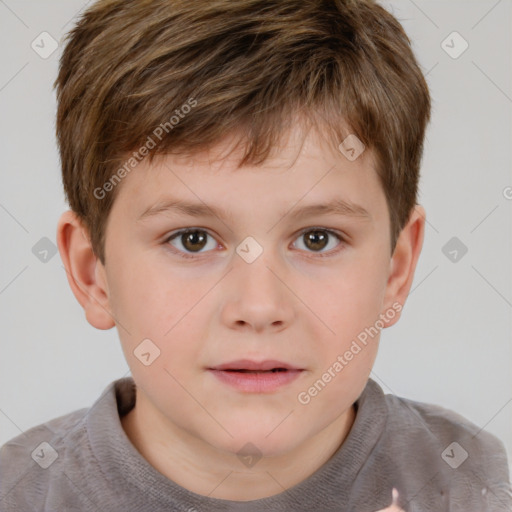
pixel 247 364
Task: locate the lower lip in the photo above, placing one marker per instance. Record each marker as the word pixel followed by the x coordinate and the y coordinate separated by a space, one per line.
pixel 262 382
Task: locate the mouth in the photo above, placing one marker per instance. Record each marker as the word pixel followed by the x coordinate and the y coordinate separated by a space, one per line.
pixel 248 365
pixel 256 377
pixel 243 370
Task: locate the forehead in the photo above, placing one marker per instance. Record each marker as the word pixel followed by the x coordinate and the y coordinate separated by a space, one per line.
pixel 303 171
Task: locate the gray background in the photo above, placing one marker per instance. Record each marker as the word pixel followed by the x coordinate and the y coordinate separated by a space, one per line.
pixel 453 345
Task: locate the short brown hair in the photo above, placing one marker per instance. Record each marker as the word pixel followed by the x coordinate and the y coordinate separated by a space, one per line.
pixel 250 66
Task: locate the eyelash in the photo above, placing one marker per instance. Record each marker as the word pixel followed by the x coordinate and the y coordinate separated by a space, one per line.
pixel 182 254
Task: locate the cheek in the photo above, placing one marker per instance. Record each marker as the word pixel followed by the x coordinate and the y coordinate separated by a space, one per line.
pixel 349 308
pixel 352 299
pixel 155 304
pixel 150 296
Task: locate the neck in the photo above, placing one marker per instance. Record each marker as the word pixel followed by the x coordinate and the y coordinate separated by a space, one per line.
pixel 203 469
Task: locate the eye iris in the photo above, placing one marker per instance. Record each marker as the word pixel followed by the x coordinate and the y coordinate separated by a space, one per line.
pixel 316 240
pixel 191 239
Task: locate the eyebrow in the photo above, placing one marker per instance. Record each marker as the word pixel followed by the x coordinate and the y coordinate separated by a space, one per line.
pixel 336 206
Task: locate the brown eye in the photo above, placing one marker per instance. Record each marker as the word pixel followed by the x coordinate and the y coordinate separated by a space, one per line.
pixel 191 240
pixel 194 240
pixel 316 240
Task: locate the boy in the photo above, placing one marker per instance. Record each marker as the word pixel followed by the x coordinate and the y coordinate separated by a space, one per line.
pixel 284 138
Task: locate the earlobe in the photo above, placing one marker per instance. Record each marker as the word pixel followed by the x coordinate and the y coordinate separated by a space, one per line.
pixel 86 280
pixel 404 260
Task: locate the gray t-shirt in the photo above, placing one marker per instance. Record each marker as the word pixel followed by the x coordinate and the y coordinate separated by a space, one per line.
pixel 437 460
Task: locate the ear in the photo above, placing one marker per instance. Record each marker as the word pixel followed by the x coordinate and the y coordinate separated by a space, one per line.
pixel 403 262
pixel 86 274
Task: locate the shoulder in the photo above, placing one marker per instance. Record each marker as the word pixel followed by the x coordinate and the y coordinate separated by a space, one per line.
pixel 54 465
pixel 445 425
pixel 25 460
pixel 468 464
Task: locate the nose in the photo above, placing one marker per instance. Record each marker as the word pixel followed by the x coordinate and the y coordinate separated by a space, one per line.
pixel 256 297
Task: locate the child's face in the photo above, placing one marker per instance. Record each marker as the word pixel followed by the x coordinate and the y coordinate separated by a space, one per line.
pixel 302 301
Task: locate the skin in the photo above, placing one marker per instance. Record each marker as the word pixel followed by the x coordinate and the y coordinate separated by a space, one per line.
pixel 290 304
